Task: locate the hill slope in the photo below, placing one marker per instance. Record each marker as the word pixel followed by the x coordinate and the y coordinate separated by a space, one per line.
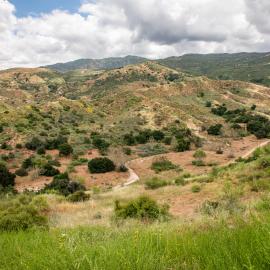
pixel 253 67
pixel 97 64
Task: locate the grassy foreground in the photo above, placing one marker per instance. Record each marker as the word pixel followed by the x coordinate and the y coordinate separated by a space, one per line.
pixel 167 246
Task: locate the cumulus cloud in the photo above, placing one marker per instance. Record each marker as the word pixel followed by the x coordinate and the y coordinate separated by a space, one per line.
pixel 152 28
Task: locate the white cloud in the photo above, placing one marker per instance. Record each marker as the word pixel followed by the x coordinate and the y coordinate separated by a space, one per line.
pixel 151 28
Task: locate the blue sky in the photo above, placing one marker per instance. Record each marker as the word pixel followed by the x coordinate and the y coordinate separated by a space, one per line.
pixel 32 7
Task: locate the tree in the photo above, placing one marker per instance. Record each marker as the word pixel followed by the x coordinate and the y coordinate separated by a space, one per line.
pixel 65 149
pixel 215 130
pixel 158 135
pixel 101 165
pixel 7 178
pixel 64 185
pixel 34 144
pixel 49 170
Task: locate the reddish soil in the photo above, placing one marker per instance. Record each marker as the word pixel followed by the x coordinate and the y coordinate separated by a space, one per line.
pixel 238 148
pixel 187 204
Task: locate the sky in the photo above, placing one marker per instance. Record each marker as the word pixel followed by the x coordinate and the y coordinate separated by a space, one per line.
pixel 40 32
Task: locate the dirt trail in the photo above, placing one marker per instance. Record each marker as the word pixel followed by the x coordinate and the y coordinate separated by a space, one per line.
pixel 133 177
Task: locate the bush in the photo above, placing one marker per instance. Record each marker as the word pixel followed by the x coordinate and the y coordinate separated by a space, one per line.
pixel 62 184
pixel 151 150
pixel 155 183
pixel 7 179
pixel 34 144
pixel 100 144
pixel 215 130
pixel 182 145
pixel 23 212
pixel 158 135
pixel 27 163
pixel 127 151
pixel 122 168
pixel 199 154
pixel 49 170
pixel 101 165
pixel 21 172
pixel 129 139
pixel 195 188
pixel 78 196
pixel 198 162
pixel 167 140
pixel 180 181
pixel 143 137
pixel 172 77
pixel 208 104
pixel 163 164
pixel 19 146
pixel 143 208
pixel 41 150
pixel 65 149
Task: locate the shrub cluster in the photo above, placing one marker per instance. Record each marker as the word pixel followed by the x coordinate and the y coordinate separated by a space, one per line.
pixel 163 164
pixel 7 179
pixel 101 165
pixel 62 184
pixel 256 124
pixel 155 183
pixel 143 208
pixel 23 212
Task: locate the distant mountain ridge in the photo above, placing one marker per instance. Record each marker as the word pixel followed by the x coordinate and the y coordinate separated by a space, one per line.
pixel 250 67
pixel 98 64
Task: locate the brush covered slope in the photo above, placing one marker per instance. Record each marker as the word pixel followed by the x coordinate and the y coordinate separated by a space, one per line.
pixel 137 111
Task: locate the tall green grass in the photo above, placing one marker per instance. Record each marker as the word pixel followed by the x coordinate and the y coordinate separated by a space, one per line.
pixel 242 246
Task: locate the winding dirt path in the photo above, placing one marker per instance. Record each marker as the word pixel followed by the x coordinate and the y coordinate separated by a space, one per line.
pixel 133 177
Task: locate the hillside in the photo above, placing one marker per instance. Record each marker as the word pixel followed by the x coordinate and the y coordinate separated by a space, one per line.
pixel 252 67
pixel 97 64
pixel 148 108
pixel 98 166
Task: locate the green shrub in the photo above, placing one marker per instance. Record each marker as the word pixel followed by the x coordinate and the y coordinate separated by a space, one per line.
pixel 143 208
pixel 163 164
pixel 215 130
pixel 62 184
pixel 100 144
pixel 198 162
pixel 19 146
pixel 180 181
pixel 78 196
pixel 199 154
pixel 182 145
pixel 101 165
pixel 7 179
pixel 143 137
pixel 129 139
pixel 167 140
pixel 158 135
pixel 41 150
pixel 23 212
pixel 155 183
pixel 122 168
pixel 196 188
pixel 65 149
pixel 28 163
pixel 151 150
pixel 208 104
pixel 49 170
pixel 21 172
pixel 34 144
pixel 127 151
